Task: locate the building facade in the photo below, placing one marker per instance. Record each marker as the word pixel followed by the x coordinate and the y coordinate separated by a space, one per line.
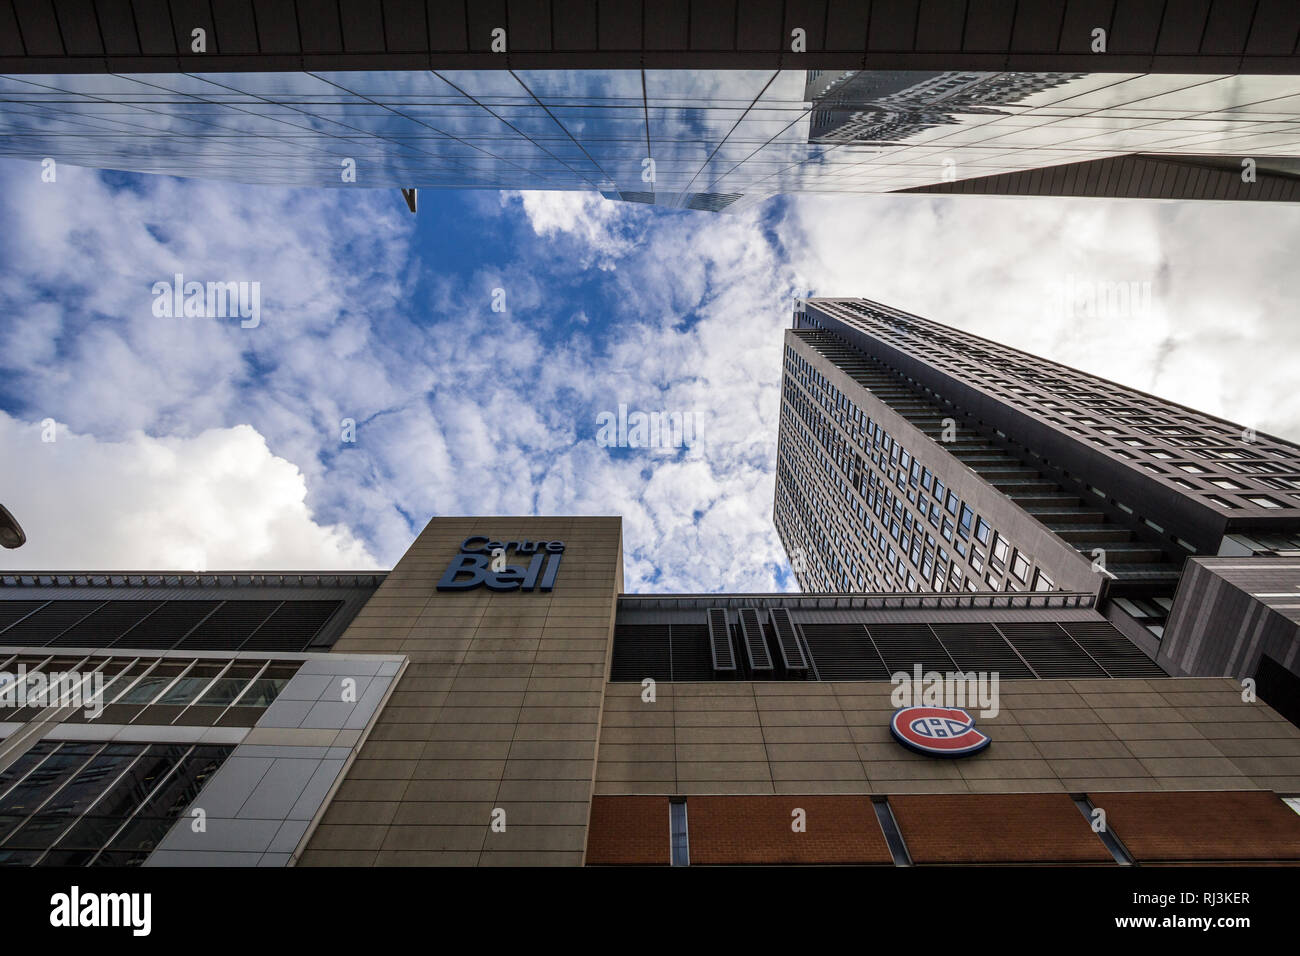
pixel 495 699
pixel 699 139
pixel 1220 36
pixel 916 457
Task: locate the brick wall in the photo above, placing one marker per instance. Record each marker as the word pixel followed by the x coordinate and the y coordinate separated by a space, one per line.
pixel 626 830
pixel 996 828
pixel 1190 827
pixel 754 829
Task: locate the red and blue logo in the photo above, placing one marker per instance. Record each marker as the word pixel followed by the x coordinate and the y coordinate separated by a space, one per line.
pixel 938 731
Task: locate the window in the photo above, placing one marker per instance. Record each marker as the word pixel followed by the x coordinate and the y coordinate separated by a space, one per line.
pixel 1042 582
pixel 228 687
pixel 151 685
pixel 964 524
pixel 1000 549
pixel 679 841
pixel 1263 501
pixel 982 531
pixel 99 803
pixel 953 502
pixel 1020 568
pixel 188 687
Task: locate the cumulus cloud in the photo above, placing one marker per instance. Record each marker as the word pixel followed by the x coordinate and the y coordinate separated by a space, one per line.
pixel 216 501
pixel 1218 332
pixel 459 409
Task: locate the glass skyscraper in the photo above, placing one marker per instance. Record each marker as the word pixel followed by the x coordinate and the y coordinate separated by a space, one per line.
pixel 712 139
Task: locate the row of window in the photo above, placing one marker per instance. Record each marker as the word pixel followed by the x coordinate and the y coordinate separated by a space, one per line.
pixel 96 804
pixel 1126 414
pixel 899 519
pixel 164 681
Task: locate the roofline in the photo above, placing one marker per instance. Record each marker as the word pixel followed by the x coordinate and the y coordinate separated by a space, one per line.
pixel 203 579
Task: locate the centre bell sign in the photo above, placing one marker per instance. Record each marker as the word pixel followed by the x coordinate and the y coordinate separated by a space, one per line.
pixel 482 563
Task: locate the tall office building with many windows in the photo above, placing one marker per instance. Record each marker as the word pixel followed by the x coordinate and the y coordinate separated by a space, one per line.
pixel 916 457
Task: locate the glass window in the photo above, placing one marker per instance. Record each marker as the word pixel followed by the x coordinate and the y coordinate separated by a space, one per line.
pixel 192 684
pixel 680 847
pixel 1000 549
pixel 228 687
pixel 982 531
pixel 1020 568
pixel 151 685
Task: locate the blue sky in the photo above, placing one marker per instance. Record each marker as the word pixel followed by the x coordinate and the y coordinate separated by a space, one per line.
pixel 195 443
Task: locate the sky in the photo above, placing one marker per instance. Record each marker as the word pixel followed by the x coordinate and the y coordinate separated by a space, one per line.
pixel 380 387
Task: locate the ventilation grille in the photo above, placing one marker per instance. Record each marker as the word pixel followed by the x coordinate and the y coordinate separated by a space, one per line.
pixel 756 651
pixel 724 657
pixel 692 658
pixel 848 651
pixel 1050 651
pixel 48 623
pixel 787 640
pixel 1112 650
pixel 641 651
pixel 903 646
pixel 163 625
pixel 979 647
pixel 844 652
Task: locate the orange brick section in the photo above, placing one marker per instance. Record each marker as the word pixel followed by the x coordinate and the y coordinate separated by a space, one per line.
pixel 1196 826
pixel 628 830
pixel 757 829
pixel 996 828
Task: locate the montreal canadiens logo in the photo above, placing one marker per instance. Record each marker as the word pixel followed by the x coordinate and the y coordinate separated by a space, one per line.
pixel 938 731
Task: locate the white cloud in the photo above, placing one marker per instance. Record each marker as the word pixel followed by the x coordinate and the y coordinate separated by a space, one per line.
pixel 460 410
pixel 1220 335
pixel 216 501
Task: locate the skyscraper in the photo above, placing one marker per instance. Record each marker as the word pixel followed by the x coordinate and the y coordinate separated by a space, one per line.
pixel 916 457
pixel 708 140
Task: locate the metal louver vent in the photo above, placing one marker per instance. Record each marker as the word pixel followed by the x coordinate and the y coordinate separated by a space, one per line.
pixel 42 627
pixel 13 611
pixel 692 658
pixel 110 620
pixel 641 651
pixel 1112 650
pixel 760 658
pixel 903 646
pixel 787 639
pixel 844 652
pixel 979 647
pixel 724 658
pixel 1050 651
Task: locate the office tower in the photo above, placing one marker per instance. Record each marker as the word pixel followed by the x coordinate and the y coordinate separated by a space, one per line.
pixel 448 714
pixel 917 457
pixel 702 139
pixel 122 36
